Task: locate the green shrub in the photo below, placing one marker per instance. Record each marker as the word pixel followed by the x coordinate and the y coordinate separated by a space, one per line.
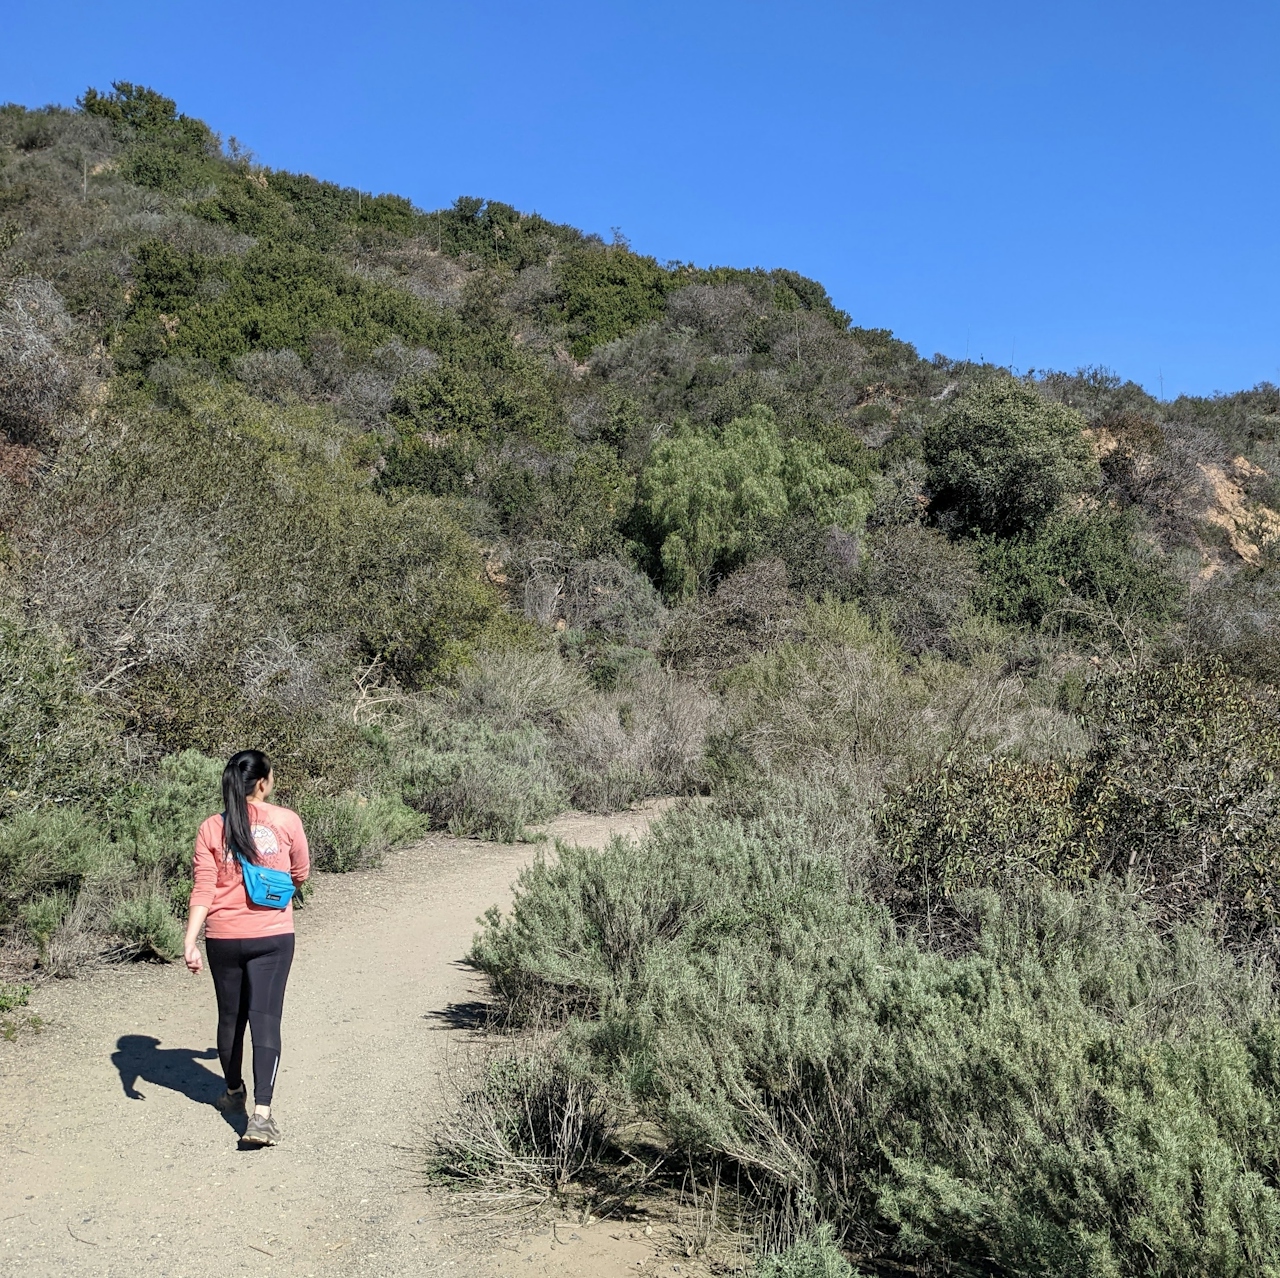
pixel 13 996
pixel 156 822
pixel 132 106
pixel 351 831
pixel 604 291
pixel 1085 573
pixel 203 703
pixel 821 560
pixel 480 392
pixel 1002 459
pixel 1075 1092
pixel 66 865
pixel 53 851
pixel 392 575
pixel 146 927
pixel 54 741
pixel 1180 788
pixel 588 923
pixel 709 500
pixel 576 503
pixel 419 458
pixel 788 291
pixel 300 208
pixel 813 1257
pixel 485 386
pixel 41 916
pixel 178 163
pixel 276 296
pixel 490 231
pixel 402 574
pixel 167 152
pixel 974 823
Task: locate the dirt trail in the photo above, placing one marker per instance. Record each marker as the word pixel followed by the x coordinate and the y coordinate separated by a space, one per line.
pixel 94 1181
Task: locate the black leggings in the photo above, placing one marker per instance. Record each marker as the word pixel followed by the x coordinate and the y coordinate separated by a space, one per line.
pixel 249 975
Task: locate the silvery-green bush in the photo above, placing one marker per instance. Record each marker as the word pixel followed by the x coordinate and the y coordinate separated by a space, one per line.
pixel 1074 1091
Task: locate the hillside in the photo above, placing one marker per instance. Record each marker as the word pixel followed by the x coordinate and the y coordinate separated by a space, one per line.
pixel 468 518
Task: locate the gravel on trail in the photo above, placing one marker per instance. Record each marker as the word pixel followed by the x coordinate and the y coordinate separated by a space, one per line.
pixel 115 1163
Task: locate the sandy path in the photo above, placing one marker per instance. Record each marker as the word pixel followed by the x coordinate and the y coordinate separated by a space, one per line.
pixel 95 1182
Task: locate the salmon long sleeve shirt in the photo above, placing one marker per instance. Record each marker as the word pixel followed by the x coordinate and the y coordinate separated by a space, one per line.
pixel 282 845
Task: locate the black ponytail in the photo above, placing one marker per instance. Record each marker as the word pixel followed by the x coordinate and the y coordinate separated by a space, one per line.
pixel 242 773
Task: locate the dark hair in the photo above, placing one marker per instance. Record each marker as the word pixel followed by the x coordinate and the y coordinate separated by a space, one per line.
pixel 242 773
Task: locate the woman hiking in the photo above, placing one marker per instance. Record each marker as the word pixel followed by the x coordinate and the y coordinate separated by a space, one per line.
pixel 246 865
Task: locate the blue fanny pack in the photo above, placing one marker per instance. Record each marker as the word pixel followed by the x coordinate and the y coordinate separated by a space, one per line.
pixel 264 886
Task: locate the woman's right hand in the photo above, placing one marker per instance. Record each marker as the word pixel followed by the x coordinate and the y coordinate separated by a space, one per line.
pixel 190 950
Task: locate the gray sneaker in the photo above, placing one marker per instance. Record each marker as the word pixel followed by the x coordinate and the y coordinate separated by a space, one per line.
pixel 232 1102
pixel 261 1131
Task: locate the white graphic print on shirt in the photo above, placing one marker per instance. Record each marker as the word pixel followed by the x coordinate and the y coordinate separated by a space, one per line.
pixel 264 839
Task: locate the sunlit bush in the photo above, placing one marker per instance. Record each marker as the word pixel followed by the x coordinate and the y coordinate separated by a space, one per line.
pixel 43 377
pixel 1051 1100
pixel 1002 458
pixel 475 779
pixel 710 500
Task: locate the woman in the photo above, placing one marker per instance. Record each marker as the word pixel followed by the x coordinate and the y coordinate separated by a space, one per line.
pixel 250 946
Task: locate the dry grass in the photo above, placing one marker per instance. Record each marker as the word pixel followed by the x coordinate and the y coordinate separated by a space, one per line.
pixel 752 611
pixel 644 740
pixel 43 378
pixel 523 1128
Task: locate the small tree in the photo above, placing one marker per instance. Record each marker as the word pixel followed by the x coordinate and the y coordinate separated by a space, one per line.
pixel 1002 459
pixel 710 499
pixel 131 106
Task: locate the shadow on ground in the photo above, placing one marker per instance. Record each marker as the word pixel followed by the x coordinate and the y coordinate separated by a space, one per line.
pixel 470 1015
pixel 140 1058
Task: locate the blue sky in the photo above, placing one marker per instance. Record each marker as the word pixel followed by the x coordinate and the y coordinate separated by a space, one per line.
pixel 1043 185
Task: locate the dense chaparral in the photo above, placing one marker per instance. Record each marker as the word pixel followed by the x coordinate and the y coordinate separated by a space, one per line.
pixel 964 958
